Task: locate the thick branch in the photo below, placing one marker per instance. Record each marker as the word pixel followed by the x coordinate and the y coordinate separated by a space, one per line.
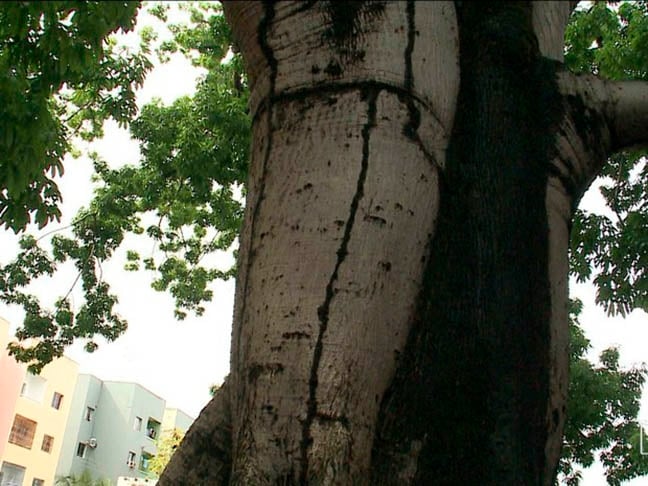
pixel 204 456
pixel 628 114
pixel 623 105
pixel 601 117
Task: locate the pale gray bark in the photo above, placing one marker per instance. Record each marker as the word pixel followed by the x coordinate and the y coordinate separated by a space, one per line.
pixel 333 248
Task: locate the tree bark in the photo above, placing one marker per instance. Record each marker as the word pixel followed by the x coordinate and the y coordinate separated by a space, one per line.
pixel 203 458
pixel 401 302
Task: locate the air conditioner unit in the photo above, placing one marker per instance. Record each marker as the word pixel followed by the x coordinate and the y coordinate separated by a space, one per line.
pixel 92 443
pixel 131 464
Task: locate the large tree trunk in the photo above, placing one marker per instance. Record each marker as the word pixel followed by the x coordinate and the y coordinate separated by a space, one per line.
pixel 400 314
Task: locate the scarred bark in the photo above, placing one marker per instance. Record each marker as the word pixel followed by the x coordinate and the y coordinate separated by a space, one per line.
pixel 401 305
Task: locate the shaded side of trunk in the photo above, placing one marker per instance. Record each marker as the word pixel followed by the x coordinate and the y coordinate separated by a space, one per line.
pixel 204 457
pixel 469 404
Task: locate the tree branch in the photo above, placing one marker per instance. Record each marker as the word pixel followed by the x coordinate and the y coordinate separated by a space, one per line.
pixel 204 456
pixel 627 114
pixel 623 105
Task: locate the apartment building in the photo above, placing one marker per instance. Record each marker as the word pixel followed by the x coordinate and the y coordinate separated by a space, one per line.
pixel 173 419
pixel 113 429
pixel 63 423
pixel 41 405
pixel 11 378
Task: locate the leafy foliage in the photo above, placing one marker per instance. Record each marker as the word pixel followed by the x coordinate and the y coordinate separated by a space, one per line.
pixel 602 408
pixel 612 247
pixel 166 446
pixel 184 195
pixel 83 479
pixel 59 76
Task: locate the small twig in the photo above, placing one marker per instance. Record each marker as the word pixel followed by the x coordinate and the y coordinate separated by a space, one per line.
pixel 44 235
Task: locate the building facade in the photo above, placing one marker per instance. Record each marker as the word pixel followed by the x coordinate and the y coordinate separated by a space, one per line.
pixel 62 423
pixel 113 429
pixel 173 419
pixel 40 412
pixel 11 378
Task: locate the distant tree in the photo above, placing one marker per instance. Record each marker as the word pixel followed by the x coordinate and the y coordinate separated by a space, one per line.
pixel 84 479
pixel 602 409
pixel 166 446
pixel 181 195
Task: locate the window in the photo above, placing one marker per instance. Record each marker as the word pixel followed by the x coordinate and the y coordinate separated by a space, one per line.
pixel 81 450
pixel 145 459
pixel 152 428
pixel 33 387
pixel 48 442
pixel 89 414
pixel 57 400
pixel 22 432
pixel 38 482
pixel 137 425
pixel 130 460
pixel 12 474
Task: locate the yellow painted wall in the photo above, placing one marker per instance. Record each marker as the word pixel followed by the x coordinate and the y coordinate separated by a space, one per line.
pixel 61 376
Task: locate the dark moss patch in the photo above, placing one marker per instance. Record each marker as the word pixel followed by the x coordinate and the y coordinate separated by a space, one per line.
pixel 346 29
pixel 472 386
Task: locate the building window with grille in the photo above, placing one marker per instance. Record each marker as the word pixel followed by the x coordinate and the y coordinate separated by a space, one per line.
pixel 89 414
pixel 11 474
pixel 81 450
pixel 38 482
pixel 48 442
pixel 130 460
pixel 22 432
pixel 57 400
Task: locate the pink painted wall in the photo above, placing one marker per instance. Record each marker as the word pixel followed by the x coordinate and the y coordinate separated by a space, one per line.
pixel 11 378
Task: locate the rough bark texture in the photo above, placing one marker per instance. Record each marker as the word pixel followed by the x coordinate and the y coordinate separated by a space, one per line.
pixel 344 205
pixel 471 393
pixel 401 303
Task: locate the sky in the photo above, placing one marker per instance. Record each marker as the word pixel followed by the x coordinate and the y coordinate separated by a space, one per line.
pixel 179 361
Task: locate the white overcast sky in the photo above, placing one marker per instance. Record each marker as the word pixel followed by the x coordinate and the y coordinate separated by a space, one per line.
pixel 180 360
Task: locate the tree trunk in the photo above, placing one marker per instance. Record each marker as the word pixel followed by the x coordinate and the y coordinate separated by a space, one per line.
pixel 401 302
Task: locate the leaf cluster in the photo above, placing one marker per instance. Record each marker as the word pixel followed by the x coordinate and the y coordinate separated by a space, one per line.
pixel 166 446
pixel 184 195
pixel 60 75
pixel 602 408
pixel 83 479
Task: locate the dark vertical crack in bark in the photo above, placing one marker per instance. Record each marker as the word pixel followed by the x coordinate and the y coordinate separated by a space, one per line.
pixel 411 36
pixel 370 96
pixel 410 129
pixel 414 118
